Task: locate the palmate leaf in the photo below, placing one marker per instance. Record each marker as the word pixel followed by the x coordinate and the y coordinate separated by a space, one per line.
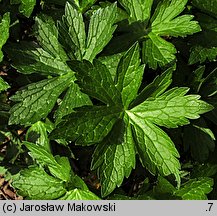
pixel 164 22
pixel 123 126
pixel 49 57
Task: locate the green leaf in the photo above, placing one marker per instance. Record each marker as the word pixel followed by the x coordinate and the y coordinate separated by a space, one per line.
pixel 196 189
pixel 156 150
pixel 201 54
pixel 3 85
pixel 35 183
pixel 59 166
pixel 200 139
pixel 27 7
pixel 172 109
pixel 72 32
pixel 204 170
pixel 209 84
pixel 38 134
pixel 74 98
pixel 96 81
pixel 207 6
pixel 88 125
pixel 111 62
pixel 101 29
pixel 78 194
pixel 129 75
pixel 157 51
pixel 164 23
pixel 114 157
pixel 4 29
pixel 156 88
pixel 29 58
pixel 137 9
pixel 37 100
pixel 47 36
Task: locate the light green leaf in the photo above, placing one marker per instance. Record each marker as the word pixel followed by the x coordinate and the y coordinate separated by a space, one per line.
pixel 4 31
pixel 37 133
pixel 37 100
pixel 101 29
pixel 35 183
pixel 180 26
pixel 172 109
pixel 88 125
pixel 156 150
pixel 78 194
pixel 157 51
pixel 72 32
pixel 96 81
pixel 114 157
pixel 59 166
pixel 47 37
pixel 196 189
pixel 129 75
pixel 3 85
pixel 74 98
pixel 29 58
pixel 137 9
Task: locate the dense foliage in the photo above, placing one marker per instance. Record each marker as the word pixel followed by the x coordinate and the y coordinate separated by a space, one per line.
pixel 108 99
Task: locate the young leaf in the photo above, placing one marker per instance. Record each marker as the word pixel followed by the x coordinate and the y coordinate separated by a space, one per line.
pixel 196 189
pixel 78 194
pixel 37 100
pixel 4 29
pixel 101 29
pixel 38 134
pixel 35 183
pixel 59 168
